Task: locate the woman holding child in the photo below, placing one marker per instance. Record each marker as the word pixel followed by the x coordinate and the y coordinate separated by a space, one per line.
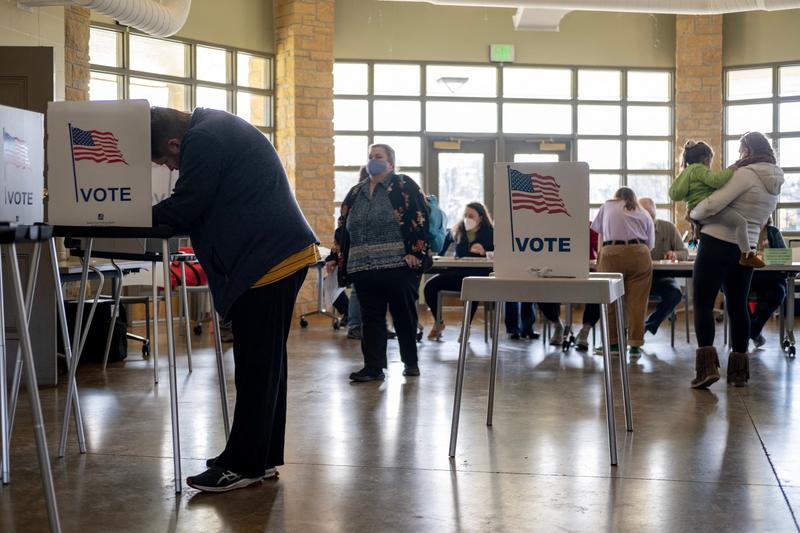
pixel 750 194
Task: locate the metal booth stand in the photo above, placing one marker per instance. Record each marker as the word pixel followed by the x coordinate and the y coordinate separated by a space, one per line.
pixel 601 288
pixel 162 233
pixel 10 235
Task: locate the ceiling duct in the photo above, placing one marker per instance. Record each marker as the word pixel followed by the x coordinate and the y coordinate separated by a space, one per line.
pixel 157 18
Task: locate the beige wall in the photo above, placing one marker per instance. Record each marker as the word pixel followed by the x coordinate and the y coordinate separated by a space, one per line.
pixel 244 24
pixel 37 27
pixel 761 37
pixel 371 29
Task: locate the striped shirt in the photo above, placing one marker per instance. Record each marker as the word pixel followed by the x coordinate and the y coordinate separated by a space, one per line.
pixel 376 241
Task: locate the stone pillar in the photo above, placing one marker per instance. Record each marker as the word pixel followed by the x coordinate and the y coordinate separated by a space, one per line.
pixel 698 88
pixel 76 53
pixel 304 113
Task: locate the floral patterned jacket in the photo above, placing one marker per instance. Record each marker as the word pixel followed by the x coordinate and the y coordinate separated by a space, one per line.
pixel 410 211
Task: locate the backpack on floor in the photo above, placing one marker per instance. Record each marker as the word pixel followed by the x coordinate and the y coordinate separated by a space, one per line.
pixel 195 276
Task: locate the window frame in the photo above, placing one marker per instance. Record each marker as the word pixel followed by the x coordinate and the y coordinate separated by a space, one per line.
pixel 500 137
pixel 232 88
pixel 775 135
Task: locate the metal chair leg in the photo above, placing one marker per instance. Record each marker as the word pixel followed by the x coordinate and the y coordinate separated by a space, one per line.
pixel 154 347
pixel 186 321
pixel 117 290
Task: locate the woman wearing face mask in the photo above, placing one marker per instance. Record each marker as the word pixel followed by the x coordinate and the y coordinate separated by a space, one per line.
pixel 383 252
pixel 473 236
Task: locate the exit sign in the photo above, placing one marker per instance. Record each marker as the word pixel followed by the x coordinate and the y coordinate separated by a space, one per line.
pixel 501 53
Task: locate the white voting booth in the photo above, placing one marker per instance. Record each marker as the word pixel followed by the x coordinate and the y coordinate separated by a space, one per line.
pixel 21 215
pixel 541 238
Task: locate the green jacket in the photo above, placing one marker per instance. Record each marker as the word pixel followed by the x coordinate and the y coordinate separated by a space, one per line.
pixel 696 182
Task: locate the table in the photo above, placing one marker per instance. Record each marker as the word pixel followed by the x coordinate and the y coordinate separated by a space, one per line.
pixel 665 268
pixel 600 288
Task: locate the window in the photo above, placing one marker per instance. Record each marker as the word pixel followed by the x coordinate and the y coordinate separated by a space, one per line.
pixel 180 74
pixel 767 99
pixel 618 120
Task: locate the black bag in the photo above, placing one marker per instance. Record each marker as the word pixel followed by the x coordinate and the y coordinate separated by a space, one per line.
pixel 96 340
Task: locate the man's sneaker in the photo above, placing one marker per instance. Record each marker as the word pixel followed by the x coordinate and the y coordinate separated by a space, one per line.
pixel 651 328
pixel 635 352
pixel 216 479
pixel 412 371
pixel 557 338
pixel 354 333
pixel 365 374
pixel 582 340
pixel 613 349
pixel 269 472
pixel 759 341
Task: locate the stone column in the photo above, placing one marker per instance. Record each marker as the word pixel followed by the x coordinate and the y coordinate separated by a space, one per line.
pixel 76 53
pixel 698 88
pixel 304 113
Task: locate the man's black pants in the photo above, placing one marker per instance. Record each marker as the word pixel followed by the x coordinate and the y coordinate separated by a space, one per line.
pixel 261 319
pixel 396 288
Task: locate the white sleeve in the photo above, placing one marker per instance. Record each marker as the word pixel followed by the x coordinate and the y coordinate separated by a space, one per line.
pixel 740 183
pixel 651 240
pixel 597 223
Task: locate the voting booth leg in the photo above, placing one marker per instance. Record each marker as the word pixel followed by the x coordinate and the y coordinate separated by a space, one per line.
pixel 173 388
pixel 28 303
pixel 462 363
pixel 223 386
pixel 5 448
pixel 33 391
pixel 73 401
pixel 790 314
pixel 623 362
pixel 117 296
pixel 493 373
pixel 185 304
pixel 155 322
pixel 612 429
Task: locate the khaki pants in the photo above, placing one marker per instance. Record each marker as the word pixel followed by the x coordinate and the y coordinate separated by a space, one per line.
pixel 634 263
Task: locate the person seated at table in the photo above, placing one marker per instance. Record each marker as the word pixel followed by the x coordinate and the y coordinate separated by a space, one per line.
pixel 520 319
pixel 628 235
pixel 668 245
pixel 591 312
pixel 768 288
pixel 473 236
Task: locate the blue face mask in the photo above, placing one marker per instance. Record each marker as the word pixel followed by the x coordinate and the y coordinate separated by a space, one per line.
pixel 376 167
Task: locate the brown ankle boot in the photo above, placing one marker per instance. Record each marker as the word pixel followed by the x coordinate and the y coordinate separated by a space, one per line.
pixel 751 260
pixel 738 369
pixel 706 365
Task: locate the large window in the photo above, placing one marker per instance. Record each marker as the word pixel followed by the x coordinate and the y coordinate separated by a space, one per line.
pixel 180 74
pixel 767 99
pixel 620 121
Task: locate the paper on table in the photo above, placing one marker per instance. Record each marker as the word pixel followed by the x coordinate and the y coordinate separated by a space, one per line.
pixel 331 289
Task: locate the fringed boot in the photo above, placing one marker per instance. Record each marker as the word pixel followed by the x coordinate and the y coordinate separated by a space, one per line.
pixel 738 369
pixel 706 365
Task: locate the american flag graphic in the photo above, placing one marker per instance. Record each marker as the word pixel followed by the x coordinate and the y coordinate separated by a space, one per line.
pixel 97 146
pixel 538 193
pixel 15 151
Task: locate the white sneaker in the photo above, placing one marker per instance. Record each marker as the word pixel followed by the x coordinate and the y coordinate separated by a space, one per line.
pixel 557 338
pixel 582 340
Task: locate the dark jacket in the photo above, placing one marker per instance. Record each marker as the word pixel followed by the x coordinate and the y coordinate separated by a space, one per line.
pixel 484 236
pixel 233 199
pixel 411 212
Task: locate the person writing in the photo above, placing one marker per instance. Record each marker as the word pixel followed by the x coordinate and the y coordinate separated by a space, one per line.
pixel 234 200
pixel 668 246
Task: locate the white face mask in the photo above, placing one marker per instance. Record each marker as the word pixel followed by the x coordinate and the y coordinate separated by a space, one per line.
pixel 470 223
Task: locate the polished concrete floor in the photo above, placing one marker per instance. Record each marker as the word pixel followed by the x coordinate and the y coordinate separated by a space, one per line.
pixel 373 457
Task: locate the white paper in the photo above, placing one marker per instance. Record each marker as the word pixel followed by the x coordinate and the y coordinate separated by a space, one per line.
pixel 331 289
pixel 543 230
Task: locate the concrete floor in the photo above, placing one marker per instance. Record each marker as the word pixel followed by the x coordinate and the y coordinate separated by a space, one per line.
pixel 373 457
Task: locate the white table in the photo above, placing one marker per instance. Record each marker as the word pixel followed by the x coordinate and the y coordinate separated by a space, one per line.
pixel 599 288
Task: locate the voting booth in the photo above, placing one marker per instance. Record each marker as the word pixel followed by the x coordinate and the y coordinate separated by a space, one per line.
pixel 541 215
pixel 99 169
pixel 22 164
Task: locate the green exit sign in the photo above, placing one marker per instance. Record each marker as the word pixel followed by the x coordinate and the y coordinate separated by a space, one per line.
pixel 501 53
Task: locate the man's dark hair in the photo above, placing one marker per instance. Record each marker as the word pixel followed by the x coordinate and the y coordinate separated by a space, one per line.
pixel 166 124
